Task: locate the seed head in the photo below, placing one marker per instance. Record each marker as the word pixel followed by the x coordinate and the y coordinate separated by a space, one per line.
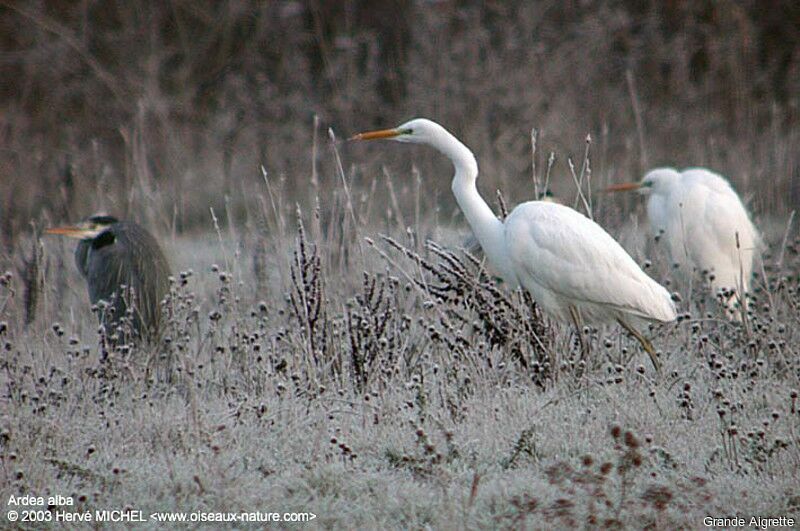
pixel 630 440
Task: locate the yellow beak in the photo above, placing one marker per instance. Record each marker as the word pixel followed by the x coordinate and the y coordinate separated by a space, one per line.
pixel 624 187
pixel 374 135
pixel 77 232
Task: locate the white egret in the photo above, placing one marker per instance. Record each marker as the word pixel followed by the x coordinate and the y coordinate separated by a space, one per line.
pixel 572 267
pixel 705 226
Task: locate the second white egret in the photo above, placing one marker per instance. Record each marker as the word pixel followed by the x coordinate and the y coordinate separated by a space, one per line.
pixel 705 225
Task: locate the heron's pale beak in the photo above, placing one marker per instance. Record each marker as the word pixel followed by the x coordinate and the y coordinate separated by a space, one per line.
pixel 78 232
pixel 374 135
pixel 624 187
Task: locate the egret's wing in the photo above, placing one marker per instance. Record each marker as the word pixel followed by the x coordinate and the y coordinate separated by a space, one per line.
pixel 715 218
pixel 720 207
pixel 572 256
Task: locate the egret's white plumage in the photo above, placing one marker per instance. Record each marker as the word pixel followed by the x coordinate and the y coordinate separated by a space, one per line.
pixel 473 246
pixel 569 264
pixel 567 260
pixel 699 215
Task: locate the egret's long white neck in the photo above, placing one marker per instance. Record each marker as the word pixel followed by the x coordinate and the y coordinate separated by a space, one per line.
pixel 487 228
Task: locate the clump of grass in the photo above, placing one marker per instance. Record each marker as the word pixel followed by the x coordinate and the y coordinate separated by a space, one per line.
pixel 307 297
pixel 8 291
pixel 524 447
pixel 31 273
pixel 377 331
pixel 181 338
pixel 427 459
pixel 610 492
pixel 468 309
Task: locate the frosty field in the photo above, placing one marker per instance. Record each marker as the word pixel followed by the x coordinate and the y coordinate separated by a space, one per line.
pixel 372 397
pixel 328 345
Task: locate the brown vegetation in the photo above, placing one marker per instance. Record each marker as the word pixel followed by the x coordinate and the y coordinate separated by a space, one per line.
pixel 325 334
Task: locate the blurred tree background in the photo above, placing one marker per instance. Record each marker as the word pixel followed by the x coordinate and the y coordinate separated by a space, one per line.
pixel 114 104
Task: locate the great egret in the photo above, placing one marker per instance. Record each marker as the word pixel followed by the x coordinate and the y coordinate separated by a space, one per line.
pixel 571 266
pixel 705 226
pixel 121 262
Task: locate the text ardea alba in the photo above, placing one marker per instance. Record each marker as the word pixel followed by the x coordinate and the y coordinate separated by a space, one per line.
pixel 570 265
pixel 700 216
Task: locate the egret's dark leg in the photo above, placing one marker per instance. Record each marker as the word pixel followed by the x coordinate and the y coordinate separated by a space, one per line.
pixel 646 344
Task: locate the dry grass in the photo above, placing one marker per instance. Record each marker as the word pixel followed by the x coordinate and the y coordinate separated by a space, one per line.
pixel 156 112
pixel 404 389
pixel 330 347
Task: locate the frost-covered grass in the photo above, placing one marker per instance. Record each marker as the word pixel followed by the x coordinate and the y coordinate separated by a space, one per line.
pixel 404 389
pixel 387 382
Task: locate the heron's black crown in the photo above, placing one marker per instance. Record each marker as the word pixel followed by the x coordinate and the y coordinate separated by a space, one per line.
pixel 103 219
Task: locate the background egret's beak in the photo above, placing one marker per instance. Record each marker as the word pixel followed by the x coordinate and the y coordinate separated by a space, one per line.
pixel 374 135
pixel 624 187
pixel 73 232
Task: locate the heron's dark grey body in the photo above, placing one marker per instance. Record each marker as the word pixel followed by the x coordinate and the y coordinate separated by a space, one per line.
pixel 125 254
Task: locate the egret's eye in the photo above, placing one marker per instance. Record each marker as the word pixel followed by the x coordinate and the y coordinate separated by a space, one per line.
pixel 647 184
pixel 408 131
